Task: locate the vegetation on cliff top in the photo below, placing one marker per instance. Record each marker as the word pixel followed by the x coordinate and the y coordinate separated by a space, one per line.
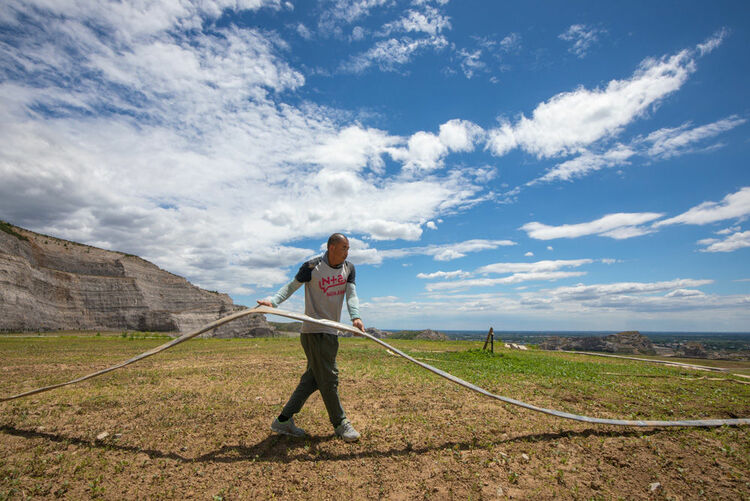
pixel 10 229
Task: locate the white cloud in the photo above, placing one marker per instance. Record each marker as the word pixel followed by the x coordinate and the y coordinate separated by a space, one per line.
pixel 474 60
pixel 425 151
pixel 304 31
pixel 728 231
pixel 460 135
pixel 678 296
pixel 429 21
pixel 661 144
pixel 448 252
pixel 537 267
pixel 643 311
pixel 443 274
pixel 731 243
pixel 519 272
pixel 629 225
pixel 712 43
pixel 617 226
pixel 418 30
pixel 431 225
pixel 512 279
pixel 582 36
pixel 511 43
pixel 685 293
pixel 734 205
pixel 177 144
pixel 351 148
pixel 671 142
pixel 384 299
pixel 361 252
pixel 358 33
pixel 392 53
pixel 598 291
pixel 529 254
pixel 570 121
pixel 585 163
pixel 274 257
pixel 471 62
pixel 133 20
pixel 346 12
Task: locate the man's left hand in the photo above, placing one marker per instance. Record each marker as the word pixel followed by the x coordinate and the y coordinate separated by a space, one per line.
pixel 357 322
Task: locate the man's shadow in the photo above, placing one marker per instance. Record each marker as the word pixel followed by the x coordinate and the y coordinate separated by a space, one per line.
pixel 284 449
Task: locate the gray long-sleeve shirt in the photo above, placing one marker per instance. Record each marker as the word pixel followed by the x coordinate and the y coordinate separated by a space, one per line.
pixel 325 289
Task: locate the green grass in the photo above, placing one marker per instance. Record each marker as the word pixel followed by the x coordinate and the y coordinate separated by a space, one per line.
pixel 579 383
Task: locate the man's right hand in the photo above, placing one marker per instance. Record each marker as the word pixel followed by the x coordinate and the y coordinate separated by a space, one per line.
pixel 265 302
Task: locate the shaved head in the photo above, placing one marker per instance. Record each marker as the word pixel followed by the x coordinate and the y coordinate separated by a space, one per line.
pixel 336 238
pixel 338 249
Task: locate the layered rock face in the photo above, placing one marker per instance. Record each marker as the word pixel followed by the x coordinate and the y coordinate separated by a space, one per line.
pixel 632 342
pixel 49 284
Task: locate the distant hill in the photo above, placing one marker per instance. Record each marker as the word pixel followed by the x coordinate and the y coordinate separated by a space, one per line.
pixel 428 334
pixel 632 342
pixel 47 283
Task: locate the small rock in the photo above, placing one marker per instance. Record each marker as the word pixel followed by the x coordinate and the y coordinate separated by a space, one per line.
pixel 183 448
pixel 117 435
pixel 40 429
pixel 500 491
pixel 102 435
pixel 654 487
pixel 525 457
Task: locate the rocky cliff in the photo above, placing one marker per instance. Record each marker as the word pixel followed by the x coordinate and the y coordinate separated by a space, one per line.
pixel 48 284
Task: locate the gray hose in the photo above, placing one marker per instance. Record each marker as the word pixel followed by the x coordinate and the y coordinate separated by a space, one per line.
pixel 348 328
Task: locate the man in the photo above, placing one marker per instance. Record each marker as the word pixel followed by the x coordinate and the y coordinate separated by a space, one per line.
pixel 327 278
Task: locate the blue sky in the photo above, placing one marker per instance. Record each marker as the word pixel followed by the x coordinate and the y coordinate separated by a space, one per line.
pixel 528 165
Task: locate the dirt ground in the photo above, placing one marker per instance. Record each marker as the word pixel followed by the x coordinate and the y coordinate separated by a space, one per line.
pixel 194 424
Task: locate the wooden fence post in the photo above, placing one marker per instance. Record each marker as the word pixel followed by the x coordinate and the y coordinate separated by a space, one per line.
pixel 490 339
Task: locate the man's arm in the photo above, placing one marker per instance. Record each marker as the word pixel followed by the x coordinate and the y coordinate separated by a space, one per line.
pixel 282 294
pixel 303 275
pixel 352 304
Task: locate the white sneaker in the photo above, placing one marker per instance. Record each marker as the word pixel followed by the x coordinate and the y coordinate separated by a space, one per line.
pixel 347 432
pixel 287 428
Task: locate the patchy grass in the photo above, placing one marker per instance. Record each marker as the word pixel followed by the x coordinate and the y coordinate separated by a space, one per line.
pixel 193 422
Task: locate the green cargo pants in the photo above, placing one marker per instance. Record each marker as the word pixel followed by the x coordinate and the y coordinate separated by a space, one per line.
pixel 322 374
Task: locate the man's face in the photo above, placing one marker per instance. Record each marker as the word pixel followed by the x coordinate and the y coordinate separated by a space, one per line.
pixel 337 252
